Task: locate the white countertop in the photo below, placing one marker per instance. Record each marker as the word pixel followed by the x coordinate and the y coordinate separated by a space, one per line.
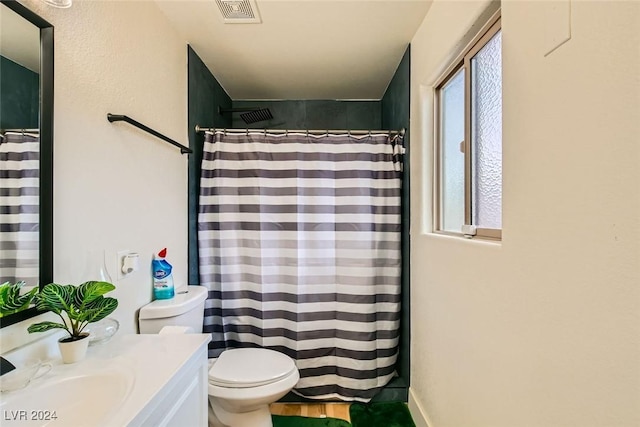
pixel 149 362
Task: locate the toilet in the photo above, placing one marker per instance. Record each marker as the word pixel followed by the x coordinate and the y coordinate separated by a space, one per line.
pixel 185 310
pixel 243 381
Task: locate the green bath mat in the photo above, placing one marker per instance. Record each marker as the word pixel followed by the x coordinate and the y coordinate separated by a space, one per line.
pixel 383 414
pixel 296 421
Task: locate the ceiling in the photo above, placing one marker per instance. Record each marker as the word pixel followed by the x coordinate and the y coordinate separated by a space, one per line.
pixel 303 49
pixel 19 39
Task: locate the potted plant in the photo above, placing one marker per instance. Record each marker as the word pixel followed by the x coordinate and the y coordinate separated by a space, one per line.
pixel 81 305
pixel 10 299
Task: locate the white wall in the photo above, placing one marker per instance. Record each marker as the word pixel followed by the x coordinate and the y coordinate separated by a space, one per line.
pixel 544 328
pixel 115 186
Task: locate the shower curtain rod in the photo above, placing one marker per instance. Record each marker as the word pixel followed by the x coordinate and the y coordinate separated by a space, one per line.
pixel 400 132
pixel 21 130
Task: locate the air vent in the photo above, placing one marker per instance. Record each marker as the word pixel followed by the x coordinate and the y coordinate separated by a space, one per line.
pixel 239 11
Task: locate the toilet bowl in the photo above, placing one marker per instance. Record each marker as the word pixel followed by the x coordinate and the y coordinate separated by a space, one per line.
pixel 242 384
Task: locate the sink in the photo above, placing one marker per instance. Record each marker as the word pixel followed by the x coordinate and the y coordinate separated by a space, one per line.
pixel 130 381
pixel 67 400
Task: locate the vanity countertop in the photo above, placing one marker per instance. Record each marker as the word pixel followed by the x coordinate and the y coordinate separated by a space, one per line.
pixel 136 375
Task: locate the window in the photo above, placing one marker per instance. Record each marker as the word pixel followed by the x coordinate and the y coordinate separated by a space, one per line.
pixel 469 140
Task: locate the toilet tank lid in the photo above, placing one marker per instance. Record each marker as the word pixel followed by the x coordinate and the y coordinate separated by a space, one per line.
pixel 175 306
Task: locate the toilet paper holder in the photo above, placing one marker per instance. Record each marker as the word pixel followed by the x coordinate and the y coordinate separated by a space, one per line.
pixel 130 263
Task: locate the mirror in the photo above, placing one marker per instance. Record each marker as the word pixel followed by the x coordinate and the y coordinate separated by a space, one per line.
pixel 26 150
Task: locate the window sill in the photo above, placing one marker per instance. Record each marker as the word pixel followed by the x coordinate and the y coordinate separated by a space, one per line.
pixel 478 240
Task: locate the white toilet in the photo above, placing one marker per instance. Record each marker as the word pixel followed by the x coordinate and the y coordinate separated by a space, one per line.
pixel 184 310
pixel 242 382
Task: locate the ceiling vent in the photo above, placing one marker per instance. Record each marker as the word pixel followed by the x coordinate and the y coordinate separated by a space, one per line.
pixel 239 11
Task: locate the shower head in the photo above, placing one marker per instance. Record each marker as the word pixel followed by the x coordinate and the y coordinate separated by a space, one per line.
pixel 256 116
pixel 249 115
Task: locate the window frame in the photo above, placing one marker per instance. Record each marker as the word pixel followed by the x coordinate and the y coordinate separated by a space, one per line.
pixel 462 62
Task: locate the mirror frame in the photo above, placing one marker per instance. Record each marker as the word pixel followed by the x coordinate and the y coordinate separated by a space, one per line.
pixel 46 155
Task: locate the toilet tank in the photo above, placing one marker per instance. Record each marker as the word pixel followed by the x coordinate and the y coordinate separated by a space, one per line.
pixel 186 309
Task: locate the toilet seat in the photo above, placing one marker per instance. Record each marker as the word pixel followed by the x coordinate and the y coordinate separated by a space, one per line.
pixel 250 367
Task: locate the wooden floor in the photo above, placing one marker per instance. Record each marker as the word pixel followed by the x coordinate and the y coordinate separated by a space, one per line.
pixel 313 410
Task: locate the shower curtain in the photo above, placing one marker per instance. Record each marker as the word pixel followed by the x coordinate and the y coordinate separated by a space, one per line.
pixel 299 246
pixel 19 208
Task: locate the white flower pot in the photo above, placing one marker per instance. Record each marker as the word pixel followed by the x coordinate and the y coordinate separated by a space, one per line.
pixel 73 351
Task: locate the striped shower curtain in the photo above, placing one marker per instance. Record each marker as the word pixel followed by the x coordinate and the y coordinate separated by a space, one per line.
pixel 19 208
pixel 299 246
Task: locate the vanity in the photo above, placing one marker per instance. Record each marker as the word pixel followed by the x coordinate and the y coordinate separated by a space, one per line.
pixel 133 380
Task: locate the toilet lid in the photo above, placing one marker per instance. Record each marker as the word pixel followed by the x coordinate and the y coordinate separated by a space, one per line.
pixel 250 367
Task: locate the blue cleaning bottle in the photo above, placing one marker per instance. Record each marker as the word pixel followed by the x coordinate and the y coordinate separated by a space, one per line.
pixel 162 278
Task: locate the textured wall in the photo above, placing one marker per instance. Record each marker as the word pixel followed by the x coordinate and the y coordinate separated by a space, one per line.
pixel 117 187
pixel 542 329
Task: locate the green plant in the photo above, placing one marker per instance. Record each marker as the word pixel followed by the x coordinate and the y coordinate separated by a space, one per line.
pixel 82 305
pixel 10 299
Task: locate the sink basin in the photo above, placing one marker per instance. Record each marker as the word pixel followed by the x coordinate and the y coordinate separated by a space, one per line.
pixel 68 400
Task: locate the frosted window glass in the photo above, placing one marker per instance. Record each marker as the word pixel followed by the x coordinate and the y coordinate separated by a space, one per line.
pixel 452 161
pixel 486 134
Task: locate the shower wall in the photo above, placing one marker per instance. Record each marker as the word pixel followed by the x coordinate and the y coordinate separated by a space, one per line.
pixel 320 114
pixel 395 107
pixel 20 96
pixel 205 96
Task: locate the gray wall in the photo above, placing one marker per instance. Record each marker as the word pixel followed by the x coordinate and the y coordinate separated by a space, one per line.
pixel 19 104
pixel 205 96
pixel 395 115
pixel 395 102
pixel 320 114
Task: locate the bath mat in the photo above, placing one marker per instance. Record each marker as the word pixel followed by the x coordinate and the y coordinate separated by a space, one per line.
pixel 383 414
pixel 296 421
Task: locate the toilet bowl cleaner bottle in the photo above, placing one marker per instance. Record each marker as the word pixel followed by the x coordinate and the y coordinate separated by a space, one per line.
pixel 162 278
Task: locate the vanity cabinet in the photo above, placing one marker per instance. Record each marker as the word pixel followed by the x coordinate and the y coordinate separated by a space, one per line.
pixel 184 401
pixel 171 384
